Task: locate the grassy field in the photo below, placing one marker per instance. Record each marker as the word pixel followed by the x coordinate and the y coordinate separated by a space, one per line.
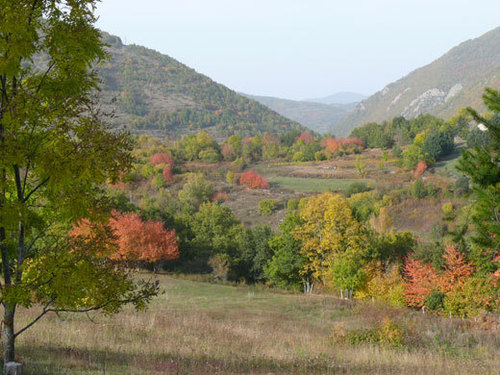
pixel 312 184
pixel 201 328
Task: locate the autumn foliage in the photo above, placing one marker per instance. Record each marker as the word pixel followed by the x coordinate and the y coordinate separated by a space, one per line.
pixel 168 175
pixel 456 270
pixel 129 238
pixel 334 145
pixel 253 180
pixel 306 137
pixel 162 158
pixel 420 280
pixel 420 169
pixel 219 196
pixel 142 240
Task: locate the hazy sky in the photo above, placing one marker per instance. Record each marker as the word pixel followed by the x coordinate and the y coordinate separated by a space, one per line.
pixel 300 48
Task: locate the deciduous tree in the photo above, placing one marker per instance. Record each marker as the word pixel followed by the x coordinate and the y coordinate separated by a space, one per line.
pixel 55 152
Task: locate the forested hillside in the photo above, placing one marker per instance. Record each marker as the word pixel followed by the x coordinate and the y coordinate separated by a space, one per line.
pixel 155 92
pixel 441 88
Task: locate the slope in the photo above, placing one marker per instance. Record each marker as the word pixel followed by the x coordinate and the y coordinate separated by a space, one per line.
pixel 455 80
pixel 156 93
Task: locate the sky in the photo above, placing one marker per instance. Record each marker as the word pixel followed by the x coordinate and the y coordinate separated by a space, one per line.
pixel 300 49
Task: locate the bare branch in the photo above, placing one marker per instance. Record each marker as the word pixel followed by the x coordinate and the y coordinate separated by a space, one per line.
pixel 44 311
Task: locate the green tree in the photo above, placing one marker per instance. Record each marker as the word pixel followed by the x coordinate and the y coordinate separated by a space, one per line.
pixel 287 261
pixel 196 190
pixel 483 166
pixel 55 152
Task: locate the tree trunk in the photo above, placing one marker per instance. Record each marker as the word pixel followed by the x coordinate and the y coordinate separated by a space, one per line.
pixel 8 333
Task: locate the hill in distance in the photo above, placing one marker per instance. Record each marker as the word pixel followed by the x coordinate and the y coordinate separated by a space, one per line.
pixel 159 95
pixel 339 98
pixel 316 116
pixel 441 88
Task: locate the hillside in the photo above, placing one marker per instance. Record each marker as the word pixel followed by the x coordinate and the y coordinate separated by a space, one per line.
pixel 319 117
pixel 156 93
pixel 455 80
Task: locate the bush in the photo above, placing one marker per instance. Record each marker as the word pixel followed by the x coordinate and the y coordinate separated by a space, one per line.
pixel 230 177
pixel 418 189
pixel 448 210
pixel 461 186
pixel 435 300
pixel 357 187
pixel 397 151
pixel 267 206
pixel 292 204
pixel 253 180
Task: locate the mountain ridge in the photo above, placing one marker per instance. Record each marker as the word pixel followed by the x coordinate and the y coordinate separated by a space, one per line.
pixel 454 80
pixel 157 94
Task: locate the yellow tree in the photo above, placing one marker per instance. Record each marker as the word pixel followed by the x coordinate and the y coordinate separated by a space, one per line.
pixel 332 241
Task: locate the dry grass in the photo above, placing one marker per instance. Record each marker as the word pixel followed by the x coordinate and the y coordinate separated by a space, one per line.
pixel 200 328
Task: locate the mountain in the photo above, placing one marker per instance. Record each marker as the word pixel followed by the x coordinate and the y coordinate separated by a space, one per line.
pixel 455 80
pixel 339 98
pixel 156 94
pixel 316 116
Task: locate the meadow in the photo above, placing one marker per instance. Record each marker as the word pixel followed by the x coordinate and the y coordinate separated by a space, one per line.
pixel 205 328
pixel 313 184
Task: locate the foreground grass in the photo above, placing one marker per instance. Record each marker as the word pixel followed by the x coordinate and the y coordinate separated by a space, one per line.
pixel 201 328
pixel 313 184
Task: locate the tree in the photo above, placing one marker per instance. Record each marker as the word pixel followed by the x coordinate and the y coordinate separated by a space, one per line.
pixel 162 158
pixel 332 241
pixel 456 268
pixel 287 261
pixel 420 280
pixel 55 152
pixel 196 190
pixel 482 165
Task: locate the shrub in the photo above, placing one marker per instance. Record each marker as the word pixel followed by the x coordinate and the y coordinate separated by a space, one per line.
pixel 219 197
pixel 448 210
pixel 220 266
pixel 230 177
pixel 397 151
pixel 267 206
pixel 292 204
pixel 435 300
pixel 473 297
pixel 168 175
pixel 239 163
pixel 418 189
pixel 253 180
pixel 162 158
pixel 421 168
pixel 357 187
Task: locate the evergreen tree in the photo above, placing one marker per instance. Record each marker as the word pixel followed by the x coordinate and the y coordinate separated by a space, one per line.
pixel 482 164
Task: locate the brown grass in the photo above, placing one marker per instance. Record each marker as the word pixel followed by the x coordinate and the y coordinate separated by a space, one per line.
pixel 200 328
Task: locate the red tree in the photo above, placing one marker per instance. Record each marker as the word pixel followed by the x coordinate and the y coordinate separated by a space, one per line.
pixel 142 240
pixel 456 268
pixel 253 180
pixel 421 168
pixel 168 175
pixel 420 280
pixel 162 158
pixel 332 145
pixel 306 137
